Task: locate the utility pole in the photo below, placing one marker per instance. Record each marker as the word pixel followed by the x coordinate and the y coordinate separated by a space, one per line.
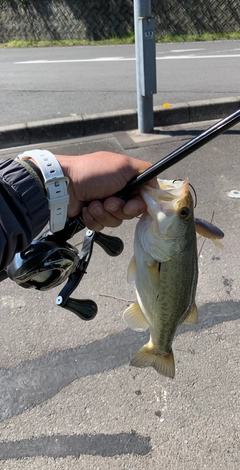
pixel 145 50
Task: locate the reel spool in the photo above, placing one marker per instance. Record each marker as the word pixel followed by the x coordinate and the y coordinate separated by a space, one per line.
pixel 43 265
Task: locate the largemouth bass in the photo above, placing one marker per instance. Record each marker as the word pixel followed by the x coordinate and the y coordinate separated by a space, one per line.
pixel 165 270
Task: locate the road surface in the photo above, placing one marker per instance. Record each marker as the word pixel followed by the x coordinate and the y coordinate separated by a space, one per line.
pixel 45 83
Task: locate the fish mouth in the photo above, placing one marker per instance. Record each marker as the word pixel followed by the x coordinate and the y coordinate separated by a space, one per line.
pixel 170 189
pixel 169 208
pixel 166 198
pixel 168 185
pixel 172 195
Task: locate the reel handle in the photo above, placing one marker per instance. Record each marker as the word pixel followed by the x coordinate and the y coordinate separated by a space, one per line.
pixel 113 246
pixel 84 309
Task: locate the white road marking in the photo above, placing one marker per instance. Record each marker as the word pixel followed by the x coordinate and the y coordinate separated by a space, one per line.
pixel 119 59
pixel 186 50
pixel 60 61
pixel 191 56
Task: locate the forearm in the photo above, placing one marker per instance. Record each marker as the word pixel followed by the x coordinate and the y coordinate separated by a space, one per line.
pixel 24 209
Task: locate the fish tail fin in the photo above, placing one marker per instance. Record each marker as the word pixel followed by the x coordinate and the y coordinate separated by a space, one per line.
pixel 148 356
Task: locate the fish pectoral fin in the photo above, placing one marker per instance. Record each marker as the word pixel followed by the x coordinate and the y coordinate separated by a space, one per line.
pixel 149 357
pixel 131 270
pixel 135 318
pixel 192 318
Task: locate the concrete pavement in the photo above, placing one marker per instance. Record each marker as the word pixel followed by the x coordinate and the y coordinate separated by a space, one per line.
pixel 69 399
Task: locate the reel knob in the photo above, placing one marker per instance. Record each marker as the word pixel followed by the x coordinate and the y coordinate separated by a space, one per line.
pixel 113 246
pixel 84 309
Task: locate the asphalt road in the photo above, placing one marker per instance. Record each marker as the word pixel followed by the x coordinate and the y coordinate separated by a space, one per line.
pixel 44 83
pixel 69 399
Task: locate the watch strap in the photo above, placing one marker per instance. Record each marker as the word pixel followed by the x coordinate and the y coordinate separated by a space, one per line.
pixel 55 185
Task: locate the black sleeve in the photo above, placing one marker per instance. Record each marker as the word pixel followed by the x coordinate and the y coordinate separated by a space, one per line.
pixel 23 209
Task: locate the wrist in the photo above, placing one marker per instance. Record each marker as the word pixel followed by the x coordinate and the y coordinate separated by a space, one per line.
pixel 73 169
pixel 55 184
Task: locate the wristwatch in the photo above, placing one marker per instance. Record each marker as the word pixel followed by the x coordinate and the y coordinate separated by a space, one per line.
pixel 56 185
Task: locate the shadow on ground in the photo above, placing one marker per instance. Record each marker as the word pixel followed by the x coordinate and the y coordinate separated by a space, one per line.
pixel 33 382
pixel 106 445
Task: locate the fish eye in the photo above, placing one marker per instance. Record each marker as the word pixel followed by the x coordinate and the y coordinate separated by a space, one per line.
pixel 184 212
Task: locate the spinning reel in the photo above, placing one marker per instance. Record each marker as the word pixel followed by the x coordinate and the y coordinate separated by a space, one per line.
pixel 50 261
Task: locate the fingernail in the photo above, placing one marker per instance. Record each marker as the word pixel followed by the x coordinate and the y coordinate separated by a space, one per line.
pixel 96 209
pixel 113 207
pixel 131 211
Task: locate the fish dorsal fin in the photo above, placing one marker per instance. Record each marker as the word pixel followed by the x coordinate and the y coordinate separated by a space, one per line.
pixel 131 273
pixel 148 357
pixel 134 318
pixel 192 318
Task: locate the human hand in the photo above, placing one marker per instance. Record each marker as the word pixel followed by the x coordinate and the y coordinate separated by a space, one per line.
pixel 93 179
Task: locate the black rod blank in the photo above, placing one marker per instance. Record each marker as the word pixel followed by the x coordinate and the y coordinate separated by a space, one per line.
pixel 180 153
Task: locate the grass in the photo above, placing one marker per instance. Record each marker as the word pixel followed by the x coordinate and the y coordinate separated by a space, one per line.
pixel 199 37
pixel 128 39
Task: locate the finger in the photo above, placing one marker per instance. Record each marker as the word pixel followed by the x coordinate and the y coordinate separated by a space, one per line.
pixel 153 183
pixel 125 210
pixel 90 222
pixel 114 206
pixel 134 207
pixel 101 216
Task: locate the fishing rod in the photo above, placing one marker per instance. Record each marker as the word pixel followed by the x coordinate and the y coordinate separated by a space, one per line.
pixel 50 259
pixel 178 154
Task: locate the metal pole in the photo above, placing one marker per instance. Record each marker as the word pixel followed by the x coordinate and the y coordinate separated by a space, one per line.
pixel 145 47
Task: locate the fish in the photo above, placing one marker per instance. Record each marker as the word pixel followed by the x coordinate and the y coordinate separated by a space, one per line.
pixel 165 270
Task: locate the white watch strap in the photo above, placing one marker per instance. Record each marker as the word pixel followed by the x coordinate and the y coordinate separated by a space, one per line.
pixel 55 184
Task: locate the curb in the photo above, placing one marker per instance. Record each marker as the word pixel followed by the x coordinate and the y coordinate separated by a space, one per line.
pixel 94 124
